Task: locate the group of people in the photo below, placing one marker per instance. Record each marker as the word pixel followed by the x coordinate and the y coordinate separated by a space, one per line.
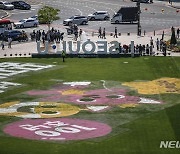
pixel 102 33
pixel 73 29
pixel 145 49
pixel 9 39
pixel 50 36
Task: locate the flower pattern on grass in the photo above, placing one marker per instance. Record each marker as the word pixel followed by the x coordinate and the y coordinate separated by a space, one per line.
pixel 162 85
pixel 84 96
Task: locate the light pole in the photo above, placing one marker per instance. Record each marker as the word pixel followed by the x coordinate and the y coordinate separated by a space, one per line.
pixel 138 18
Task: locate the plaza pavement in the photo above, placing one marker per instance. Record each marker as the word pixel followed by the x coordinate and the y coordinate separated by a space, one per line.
pixel 25 49
pixel 175 4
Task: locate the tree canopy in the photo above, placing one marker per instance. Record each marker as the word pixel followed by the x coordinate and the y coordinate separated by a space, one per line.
pixel 47 15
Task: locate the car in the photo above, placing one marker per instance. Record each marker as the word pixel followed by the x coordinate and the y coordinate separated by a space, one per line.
pixel 79 20
pixel 26 23
pixel 14 34
pixel 6 5
pixel 21 5
pixel 99 15
pixel 142 1
pixel 34 17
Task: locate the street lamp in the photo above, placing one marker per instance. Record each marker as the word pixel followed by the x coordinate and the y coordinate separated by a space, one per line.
pixel 138 18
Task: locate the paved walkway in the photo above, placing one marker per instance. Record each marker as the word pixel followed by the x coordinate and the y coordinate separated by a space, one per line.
pixel 26 49
pixel 174 4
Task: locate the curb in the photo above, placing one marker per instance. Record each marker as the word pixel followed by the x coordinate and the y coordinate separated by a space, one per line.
pixel 176 7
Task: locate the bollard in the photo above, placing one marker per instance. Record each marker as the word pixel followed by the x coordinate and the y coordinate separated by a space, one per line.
pixel 144 32
pixel 38 47
pixel 128 34
pixel 92 34
pixel 154 32
pixel 132 49
pixel 46 47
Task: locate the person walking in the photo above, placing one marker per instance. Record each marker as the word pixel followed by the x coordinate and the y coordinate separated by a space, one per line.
pixel 104 34
pixel 63 56
pixel 140 49
pixel 100 33
pixel 115 33
pixel 147 49
pixel 9 42
pixel 157 44
pixel 178 33
pixel 161 44
pixel 58 36
pixel 151 42
pixel 3 44
pixel 80 33
pixel 164 49
pixel 43 36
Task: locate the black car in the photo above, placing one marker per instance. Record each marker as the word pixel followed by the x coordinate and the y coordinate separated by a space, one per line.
pixel 142 1
pixel 21 5
pixel 14 34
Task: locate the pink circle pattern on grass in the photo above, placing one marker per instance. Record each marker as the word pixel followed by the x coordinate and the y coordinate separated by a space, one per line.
pixel 57 129
pixel 56 95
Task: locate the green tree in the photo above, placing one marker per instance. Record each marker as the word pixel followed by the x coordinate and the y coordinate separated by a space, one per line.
pixel 47 15
pixel 173 37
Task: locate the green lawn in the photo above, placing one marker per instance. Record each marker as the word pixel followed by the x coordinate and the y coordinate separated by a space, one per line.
pixel 134 130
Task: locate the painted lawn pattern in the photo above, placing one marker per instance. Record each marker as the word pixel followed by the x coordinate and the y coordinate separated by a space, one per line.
pixel 81 96
pixel 61 129
pixel 159 86
pixel 8 69
pixel 38 109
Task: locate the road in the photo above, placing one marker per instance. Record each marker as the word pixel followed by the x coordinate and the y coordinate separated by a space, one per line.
pixel 152 17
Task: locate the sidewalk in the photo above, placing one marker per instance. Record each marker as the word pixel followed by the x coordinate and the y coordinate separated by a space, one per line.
pixel 19 50
pixel 26 49
pixel 175 3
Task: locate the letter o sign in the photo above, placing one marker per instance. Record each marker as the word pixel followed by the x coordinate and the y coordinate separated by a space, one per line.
pixel 47 133
pixel 67 130
pixel 87 44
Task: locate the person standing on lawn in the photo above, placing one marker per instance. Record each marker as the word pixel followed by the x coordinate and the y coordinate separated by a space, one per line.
pixel 63 56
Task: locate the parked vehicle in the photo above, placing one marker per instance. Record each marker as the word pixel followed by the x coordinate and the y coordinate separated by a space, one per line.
pixel 5 24
pixel 6 6
pixel 99 15
pixel 79 20
pixel 125 14
pixel 142 1
pixel 34 17
pixel 21 5
pixel 15 35
pixel 26 23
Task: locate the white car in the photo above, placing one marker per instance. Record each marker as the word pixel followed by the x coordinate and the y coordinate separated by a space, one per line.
pixel 6 6
pixel 34 17
pixel 26 23
pixel 99 15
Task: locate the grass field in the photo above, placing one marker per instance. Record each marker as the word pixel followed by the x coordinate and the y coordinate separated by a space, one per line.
pixel 135 130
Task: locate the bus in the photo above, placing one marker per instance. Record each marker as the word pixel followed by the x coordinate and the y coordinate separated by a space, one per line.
pixel 5 24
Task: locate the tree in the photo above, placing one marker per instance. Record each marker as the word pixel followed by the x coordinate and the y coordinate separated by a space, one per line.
pixel 173 37
pixel 47 15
